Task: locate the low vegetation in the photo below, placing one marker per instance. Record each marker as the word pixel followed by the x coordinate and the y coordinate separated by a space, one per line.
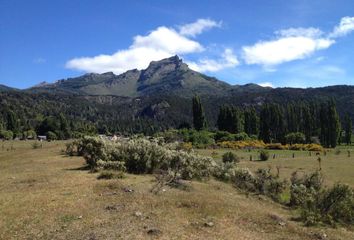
pixel 141 156
pixel 316 203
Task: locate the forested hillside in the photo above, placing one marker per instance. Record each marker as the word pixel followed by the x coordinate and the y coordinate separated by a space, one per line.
pixel 147 101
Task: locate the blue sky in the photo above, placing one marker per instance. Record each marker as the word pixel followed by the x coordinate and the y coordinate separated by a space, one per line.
pixel 294 43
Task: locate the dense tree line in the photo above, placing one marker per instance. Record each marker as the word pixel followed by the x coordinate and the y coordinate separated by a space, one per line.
pixel 294 123
pixel 24 115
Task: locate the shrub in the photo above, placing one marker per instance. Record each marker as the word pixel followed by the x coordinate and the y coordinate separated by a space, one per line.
pixel 263 155
pixel 241 136
pixel 242 144
pixel 36 145
pixel 110 165
pixel 30 134
pixel 230 157
pixel 262 182
pixel 110 175
pixel 276 146
pixel 72 148
pixel 141 155
pixel 185 146
pixel 314 147
pixel 199 139
pixel 93 149
pixel 221 136
pixel 7 135
pixel 269 184
pixel 337 204
pixel 244 179
pixel 225 171
pixel 334 205
pixel 51 136
pixel 170 136
pixel 304 188
pixel 295 137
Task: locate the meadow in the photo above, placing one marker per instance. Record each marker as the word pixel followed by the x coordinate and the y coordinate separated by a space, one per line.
pixel 47 195
pixel 337 165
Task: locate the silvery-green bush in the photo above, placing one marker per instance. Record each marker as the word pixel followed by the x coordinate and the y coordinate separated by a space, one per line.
pixel 142 155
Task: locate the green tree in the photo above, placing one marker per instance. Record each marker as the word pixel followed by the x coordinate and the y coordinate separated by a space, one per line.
pixel 199 121
pixel 222 118
pixel 348 129
pixel 64 126
pixel 230 119
pixel 251 122
pixel 330 125
pixel 272 123
pixel 12 121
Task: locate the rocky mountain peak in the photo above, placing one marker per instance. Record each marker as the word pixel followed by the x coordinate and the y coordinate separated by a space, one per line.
pixel 159 69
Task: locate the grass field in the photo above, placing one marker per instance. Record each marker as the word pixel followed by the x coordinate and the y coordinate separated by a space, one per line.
pixel 46 195
pixel 337 166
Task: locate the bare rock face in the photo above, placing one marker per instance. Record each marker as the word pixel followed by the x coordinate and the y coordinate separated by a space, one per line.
pixel 161 69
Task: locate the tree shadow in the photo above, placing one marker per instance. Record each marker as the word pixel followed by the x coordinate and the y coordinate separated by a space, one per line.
pixel 82 168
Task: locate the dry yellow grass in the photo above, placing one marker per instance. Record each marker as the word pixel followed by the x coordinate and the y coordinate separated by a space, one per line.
pixel 335 167
pixel 45 195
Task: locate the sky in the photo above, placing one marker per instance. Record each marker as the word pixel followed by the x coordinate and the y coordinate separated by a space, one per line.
pixel 277 43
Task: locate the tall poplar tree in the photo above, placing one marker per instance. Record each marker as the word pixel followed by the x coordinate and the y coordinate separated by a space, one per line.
pixel 199 121
pixel 348 129
pixel 251 121
pixel 330 125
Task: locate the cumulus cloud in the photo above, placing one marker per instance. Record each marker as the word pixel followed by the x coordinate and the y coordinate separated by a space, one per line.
pixel 198 27
pixel 345 26
pixel 290 44
pixel 160 43
pixel 294 44
pixel 227 60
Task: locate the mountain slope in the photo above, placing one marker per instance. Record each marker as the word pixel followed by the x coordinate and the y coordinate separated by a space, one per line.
pixel 168 75
pixel 4 88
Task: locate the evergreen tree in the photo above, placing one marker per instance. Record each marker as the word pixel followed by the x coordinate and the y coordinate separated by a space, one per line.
pixel 222 119
pixel 348 129
pixel 334 127
pixel 251 121
pixel 308 123
pixel 230 119
pixel 272 126
pixel 264 124
pixel 12 121
pixel 330 125
pixel 199 121
pixel 64 126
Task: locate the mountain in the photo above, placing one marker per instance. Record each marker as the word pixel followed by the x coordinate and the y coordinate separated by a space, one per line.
pixel 168 75
pixel 156 98
pixel 4 88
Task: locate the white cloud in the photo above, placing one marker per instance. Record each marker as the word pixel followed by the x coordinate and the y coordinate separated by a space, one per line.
pixel 266 84
pixel 290 44
pixel 198 27
pixel 227 60
pixel 294 44
pixel 300 32
pixel 345 26
pixel 160 43
pixel 168 40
